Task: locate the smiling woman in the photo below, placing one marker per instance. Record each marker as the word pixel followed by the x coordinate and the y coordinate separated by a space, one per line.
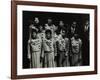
pixel 53 40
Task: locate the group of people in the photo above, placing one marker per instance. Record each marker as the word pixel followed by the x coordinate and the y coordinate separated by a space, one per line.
pixel 50 46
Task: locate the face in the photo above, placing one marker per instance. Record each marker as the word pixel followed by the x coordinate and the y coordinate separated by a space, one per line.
pixel 74 24
pixel 63 33
pixel 34 34
pixel 49 21
pixel 48 35
pixel 61 23
pixel 87 23
pixel 41 28
pixel 76 36
pixel 86 27
pixel 55 28
pixel 36 20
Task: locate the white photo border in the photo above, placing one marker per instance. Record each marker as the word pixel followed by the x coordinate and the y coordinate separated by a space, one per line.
pixel 21 71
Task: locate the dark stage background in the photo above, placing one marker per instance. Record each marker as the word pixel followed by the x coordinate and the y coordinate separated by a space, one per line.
pixel 68 18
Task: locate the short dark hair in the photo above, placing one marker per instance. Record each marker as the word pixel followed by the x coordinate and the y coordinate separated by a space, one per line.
pixel 34 30
pixel 48 31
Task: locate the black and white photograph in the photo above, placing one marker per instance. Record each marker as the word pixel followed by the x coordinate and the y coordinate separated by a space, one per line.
pixel 53 39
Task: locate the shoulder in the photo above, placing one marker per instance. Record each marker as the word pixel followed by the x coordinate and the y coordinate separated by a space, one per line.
pixel 32 26
pixel 59 37
pixel 29 41
pixel 72 38
pixel 53 25
pixel 46 24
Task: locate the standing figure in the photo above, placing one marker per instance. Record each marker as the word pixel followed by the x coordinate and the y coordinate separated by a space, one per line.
pixel 56 37
pixel 61 24
pixel 62 49
pixel 76 44
pixel 34 49
pixel 41 33
pixel 56 33
pixel 74 28
pixel 50 25
pixel 86 43
pixel 49 49
pixel 36 22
